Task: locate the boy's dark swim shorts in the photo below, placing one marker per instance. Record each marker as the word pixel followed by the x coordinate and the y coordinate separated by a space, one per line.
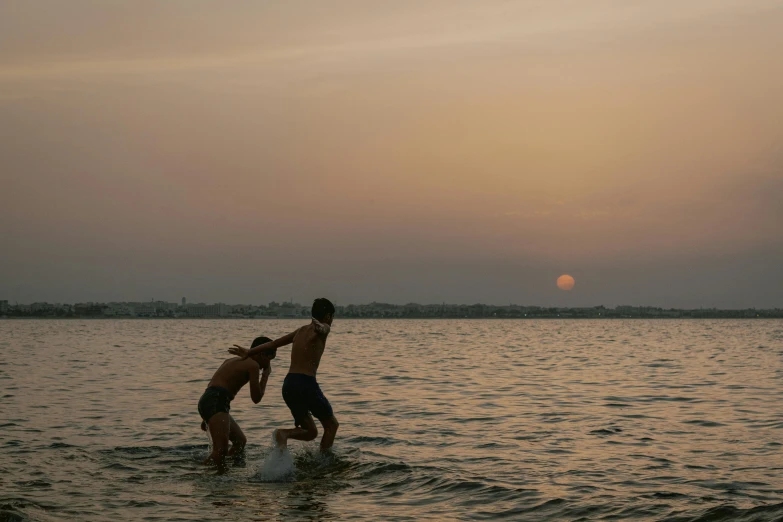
pixel 214 400
pixel 302 395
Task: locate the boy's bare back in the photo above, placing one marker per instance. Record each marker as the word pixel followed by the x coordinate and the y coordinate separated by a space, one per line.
pixel 234 373
pixel 307 349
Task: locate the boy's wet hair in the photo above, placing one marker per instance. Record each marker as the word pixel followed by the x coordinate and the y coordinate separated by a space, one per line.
pixel 321 308
pixel 263 340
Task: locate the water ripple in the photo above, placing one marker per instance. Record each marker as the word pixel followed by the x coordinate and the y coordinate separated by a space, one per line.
pixel 474 420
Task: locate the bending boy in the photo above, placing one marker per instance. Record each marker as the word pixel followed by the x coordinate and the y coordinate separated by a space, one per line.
pixel 214 404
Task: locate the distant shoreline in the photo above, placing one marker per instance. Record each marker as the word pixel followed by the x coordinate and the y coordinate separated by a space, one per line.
pixel 546 317
pixel 373 310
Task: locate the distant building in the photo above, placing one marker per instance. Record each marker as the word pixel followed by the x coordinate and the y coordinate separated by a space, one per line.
pixel 288 310
pixel 38 308
pixel 184 302
pixel 119 310
pixel 145 309
pixel 88 309
pixel 3 306
pixel 205 310
pixel 163 306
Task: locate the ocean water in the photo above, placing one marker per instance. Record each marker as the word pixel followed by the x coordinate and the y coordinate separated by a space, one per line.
pixel 677 420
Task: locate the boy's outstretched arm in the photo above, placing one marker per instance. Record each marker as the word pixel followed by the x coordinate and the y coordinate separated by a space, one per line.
pixel 277 343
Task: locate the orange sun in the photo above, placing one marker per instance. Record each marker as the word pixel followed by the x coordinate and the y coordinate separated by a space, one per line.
pixel 565 282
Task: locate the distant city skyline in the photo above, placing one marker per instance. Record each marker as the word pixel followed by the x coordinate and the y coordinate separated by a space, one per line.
pixel 184 302
pixel 162 310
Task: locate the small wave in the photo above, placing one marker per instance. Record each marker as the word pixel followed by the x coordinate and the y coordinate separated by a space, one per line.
pixel 382 469
pixel 729 513
pixel 705 423
pixel 381 441
pixel 11 515
pixel 152 451
pixel 606 431
pixel 13 509
pixel 141 503
pixel 60 445
pixel 35 484
pixel 541 510
pixel 120 467
pixel 666 495
pixel 728 486
pixel 478 489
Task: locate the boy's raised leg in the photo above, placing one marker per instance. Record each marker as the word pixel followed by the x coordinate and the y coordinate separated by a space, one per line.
pixel 306 432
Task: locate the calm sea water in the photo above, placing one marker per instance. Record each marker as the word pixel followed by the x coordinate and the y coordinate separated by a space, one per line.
pixel 440 420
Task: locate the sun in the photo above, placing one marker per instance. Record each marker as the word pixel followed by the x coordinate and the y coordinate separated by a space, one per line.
pixel 565 282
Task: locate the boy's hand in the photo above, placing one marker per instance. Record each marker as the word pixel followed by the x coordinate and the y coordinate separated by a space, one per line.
pixel 239 351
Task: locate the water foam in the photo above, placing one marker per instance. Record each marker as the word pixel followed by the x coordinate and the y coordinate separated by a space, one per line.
pixel 278 465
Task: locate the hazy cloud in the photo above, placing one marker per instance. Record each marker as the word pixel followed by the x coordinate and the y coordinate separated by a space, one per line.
pixel 432 151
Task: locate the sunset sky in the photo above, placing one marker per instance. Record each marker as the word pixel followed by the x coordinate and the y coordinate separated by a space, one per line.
pixel 426 150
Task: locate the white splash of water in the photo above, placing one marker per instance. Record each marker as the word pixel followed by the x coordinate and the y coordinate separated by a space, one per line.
pixel 278 466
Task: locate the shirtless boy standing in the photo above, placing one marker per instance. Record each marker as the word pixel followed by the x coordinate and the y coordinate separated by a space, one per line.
pixel 300 389
pixel 214 404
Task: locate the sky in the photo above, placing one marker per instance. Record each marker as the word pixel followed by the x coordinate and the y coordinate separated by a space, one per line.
pixel 408 151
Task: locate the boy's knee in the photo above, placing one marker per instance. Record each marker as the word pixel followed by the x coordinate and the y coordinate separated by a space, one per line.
pixel 312 433
pixel 332 424
pixel 240 440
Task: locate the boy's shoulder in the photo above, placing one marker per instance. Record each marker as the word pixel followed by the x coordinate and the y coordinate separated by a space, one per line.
pixel 250 363
pixel 315 328
pixel 237 364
